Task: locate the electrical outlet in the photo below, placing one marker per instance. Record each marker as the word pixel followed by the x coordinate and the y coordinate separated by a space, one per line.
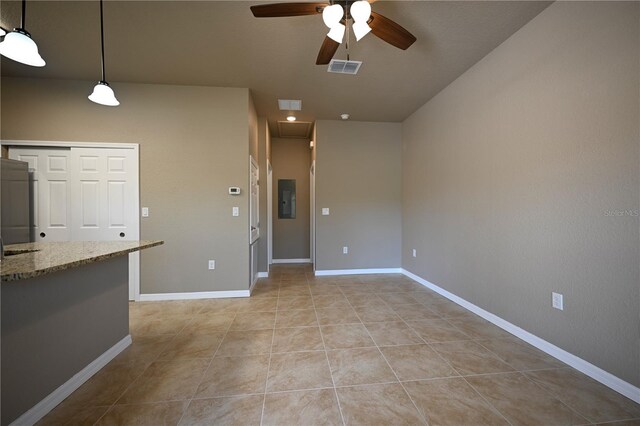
pixel 235 211
pixel 145 212
pixel 345 250
pixel 557 301
pixel 414 253
pixel 212 264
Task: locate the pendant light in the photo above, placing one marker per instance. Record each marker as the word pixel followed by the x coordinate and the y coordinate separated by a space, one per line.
pixel 19 46
pixel 102 92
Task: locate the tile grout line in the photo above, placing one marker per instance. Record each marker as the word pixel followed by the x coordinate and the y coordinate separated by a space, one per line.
pixel 273 336
pixel 392 370
pixel 326 355
pixel 204 373
pixel 141 373
pixel 452 367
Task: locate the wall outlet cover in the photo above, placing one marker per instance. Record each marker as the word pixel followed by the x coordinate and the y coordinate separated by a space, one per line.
pixel 212 264
pixel 345 250
pixel 413 252
pixel 557 301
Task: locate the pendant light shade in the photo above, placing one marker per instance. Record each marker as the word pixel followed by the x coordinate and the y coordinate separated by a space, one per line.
pixel 19 46
pixel 360 29
pixel 337 33
pixel 103 94
pixel 331 15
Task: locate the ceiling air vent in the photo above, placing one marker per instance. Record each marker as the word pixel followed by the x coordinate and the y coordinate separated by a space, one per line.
pixel 344 67
pixel 290 104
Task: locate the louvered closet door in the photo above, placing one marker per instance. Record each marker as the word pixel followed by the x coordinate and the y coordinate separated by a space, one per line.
pixel 51 191
pixel 103 194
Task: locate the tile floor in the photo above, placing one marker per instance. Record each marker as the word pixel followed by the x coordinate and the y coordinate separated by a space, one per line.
pixel 369 350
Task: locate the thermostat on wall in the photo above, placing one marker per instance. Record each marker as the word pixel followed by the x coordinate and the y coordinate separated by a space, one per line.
pixel 234 190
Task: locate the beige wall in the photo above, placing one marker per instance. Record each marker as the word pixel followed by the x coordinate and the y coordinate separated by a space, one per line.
pixel 194 144
pixel 358 177
pixel 291 159
pixel 510 172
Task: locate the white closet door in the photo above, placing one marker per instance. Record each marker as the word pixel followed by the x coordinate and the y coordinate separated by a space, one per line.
pixel 51 191
pixel 103 194
pixel 254 200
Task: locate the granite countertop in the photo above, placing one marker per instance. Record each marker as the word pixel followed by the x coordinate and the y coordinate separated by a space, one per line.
pixel 35 259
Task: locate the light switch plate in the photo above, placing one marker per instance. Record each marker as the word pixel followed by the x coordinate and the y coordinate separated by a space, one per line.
pixel 212 264
pixel 235 211
pixel 325 211
pixel 145 212
pixel 414 253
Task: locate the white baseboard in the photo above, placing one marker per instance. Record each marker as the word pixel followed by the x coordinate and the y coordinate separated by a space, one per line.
pixel 151 297
pixel 627 389
pixel 358 271
pixel 291 261
pixel 263 275
pixel 42 408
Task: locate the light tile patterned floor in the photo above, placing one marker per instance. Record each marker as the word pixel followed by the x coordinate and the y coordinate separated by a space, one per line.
pixel 368 349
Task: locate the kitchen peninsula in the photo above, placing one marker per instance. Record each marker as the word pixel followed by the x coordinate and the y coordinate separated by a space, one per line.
pixel 64 315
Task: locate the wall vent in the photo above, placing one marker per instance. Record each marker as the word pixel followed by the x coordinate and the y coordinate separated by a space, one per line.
pixel 344 67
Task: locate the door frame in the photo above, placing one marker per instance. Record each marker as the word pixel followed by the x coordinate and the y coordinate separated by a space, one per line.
pixel 269 215
pixel 312 200
pixel 134 258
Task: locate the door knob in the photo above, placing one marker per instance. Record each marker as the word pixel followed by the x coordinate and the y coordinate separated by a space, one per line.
pixel 42 235
pixel 122 234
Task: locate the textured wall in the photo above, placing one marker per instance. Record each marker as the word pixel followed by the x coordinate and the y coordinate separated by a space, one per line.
pixel 511 175
pixel 358 178
pixel 194 145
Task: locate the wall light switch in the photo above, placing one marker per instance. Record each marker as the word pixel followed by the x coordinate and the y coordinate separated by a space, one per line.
pixel 557 301
pixel 235 211
pixel 414 253
pixel 345 250
pixel 145 212
pixel 325 211
pixel 212 264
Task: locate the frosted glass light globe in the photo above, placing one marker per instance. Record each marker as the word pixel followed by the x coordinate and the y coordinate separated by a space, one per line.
pixel 19 46
pixel 103 95
pixel 336 33
pixel 360 11
pixel 331 15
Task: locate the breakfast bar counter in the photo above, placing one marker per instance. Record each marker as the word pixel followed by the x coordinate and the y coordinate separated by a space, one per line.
pixel 65 314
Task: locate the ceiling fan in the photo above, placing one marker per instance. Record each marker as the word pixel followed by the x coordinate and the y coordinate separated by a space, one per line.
pixel 336 15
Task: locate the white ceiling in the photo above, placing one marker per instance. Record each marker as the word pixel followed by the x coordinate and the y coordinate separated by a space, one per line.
pixel 220 43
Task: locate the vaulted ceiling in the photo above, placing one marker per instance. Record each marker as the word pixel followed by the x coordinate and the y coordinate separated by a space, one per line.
pixel 220 43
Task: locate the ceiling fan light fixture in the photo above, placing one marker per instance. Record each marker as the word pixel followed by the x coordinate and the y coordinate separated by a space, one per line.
pixel 103 94
pixel 360 11
pixel 336 33
pixel 332 15
pixel 19 46
pixel 360 29
pixel 3 32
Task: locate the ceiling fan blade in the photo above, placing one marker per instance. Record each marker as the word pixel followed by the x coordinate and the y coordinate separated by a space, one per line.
pixel 390 32
pixel 277 10
pixel 327 50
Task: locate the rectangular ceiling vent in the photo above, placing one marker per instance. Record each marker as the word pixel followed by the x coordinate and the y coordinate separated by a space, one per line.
pixel 344 67
pixel 290 104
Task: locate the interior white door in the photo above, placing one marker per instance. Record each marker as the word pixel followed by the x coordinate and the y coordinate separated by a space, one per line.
pixel 86 194
pixel 51 191
pixel 103 194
